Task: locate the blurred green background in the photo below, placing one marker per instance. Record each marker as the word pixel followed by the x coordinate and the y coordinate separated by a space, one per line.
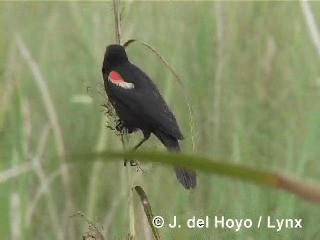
pixel 253 77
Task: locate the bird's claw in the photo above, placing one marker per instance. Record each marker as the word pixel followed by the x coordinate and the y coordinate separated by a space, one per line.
pixel 119 127
pixel 133 163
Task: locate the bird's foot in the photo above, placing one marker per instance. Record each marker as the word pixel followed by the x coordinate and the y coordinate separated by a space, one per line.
pixel 133 163
pixel 120 126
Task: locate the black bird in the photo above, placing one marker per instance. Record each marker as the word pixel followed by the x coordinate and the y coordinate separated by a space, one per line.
pixel 139 105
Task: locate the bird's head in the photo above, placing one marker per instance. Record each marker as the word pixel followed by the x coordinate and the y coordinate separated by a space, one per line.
pixel 114 56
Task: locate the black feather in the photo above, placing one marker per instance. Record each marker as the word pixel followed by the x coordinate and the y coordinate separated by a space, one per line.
pixel 142 107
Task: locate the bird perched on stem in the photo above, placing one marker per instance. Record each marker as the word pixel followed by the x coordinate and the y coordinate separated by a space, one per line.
pixel 139 105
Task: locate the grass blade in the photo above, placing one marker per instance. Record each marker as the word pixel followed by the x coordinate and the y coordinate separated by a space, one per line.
pixel 274 180
pixel 147 209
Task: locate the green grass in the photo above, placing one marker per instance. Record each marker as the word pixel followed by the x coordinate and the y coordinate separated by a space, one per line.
pixel 268 117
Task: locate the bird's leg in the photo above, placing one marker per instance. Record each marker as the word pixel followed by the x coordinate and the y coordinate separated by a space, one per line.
pixel 146 136
pixel 140 143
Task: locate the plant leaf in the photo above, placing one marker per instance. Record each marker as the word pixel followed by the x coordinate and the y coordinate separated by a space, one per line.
pixel 147 209
pixel 204 164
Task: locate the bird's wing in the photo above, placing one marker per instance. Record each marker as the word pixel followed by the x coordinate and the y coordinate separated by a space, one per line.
pixel 116 79
pixel 134 89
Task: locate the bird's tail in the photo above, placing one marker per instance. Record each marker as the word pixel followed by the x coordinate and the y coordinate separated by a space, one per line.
pixel 186 177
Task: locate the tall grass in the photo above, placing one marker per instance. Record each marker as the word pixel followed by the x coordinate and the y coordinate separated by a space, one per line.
pixel 259 108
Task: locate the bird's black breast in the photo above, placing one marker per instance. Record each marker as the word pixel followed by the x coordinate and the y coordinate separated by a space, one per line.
pixel 142 106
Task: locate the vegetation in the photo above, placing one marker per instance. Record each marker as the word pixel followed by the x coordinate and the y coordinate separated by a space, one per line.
pixel 251 72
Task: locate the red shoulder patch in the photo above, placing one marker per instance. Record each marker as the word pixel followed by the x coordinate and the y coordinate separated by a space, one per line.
pixel 116 79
